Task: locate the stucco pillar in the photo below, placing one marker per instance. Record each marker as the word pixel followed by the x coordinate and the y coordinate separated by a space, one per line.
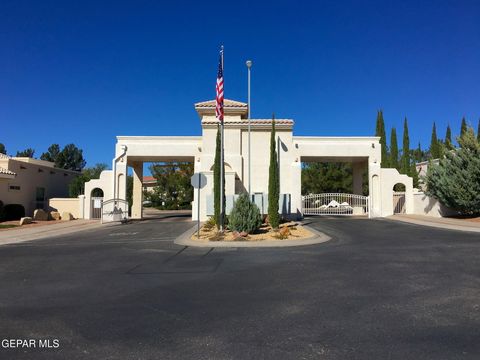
pixel 374 188
pixel 137 197
pixel 357 172
pixel 295 175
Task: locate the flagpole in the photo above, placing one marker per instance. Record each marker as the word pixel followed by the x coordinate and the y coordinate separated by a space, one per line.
pixel 222 162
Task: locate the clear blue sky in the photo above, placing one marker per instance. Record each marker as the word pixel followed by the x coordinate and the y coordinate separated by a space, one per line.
pixel 85 71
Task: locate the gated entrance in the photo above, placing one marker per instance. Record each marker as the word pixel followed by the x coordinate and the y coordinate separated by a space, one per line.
pixel 399 202
pixel 335 204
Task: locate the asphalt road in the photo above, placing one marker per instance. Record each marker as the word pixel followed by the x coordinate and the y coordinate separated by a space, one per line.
pixel 378 290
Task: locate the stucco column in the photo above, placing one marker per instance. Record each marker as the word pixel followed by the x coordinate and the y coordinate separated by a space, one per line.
pixel 374 188
pixel 137 197
pixel 357 172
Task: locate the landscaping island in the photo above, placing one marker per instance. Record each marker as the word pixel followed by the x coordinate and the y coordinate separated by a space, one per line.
pixel 286 231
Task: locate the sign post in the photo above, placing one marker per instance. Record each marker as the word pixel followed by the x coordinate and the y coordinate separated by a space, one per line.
pixel 198 181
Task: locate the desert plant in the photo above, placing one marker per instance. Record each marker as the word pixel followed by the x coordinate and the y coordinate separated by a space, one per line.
pixel 283 233
pixel 245 215
pixel 209 224
pixel 14 212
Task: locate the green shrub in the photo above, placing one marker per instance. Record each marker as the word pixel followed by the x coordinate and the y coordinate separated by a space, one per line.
pixel 2 211
pixel 210 223
pixel 245 216
pixel 14 212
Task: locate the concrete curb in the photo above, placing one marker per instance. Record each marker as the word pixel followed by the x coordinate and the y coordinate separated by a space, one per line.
pixel 435 224
pixel 317 238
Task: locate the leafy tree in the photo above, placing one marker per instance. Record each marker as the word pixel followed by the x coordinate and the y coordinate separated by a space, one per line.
pixel 70 158
pixel 455 181
pixel 173 185
pixel 448 139
pixel 77 185
pixel 320 178
pixel 26 153
pixel 463 127
pixel 405 165
pixel 52 154
pixel 273 181
pixel 245 215
pixel 216 181
pixel 2 149
pixel 393 149
pixel 380 131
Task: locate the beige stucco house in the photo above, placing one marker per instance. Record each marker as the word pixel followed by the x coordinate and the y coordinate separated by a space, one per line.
pixel 31 182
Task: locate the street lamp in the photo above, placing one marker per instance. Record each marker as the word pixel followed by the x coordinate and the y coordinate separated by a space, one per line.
pixel 249 66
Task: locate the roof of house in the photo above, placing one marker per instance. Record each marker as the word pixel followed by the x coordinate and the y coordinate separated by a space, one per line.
pixel 4 171
pixel 149 179
pixel 230 108
pixel 226 104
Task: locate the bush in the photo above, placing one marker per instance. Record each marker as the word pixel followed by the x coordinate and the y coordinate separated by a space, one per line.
pixel 14 212
pixel 455 181
pixel 2 211
pixel 245 216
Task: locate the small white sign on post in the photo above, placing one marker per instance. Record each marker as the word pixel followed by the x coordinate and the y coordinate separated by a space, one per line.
pixel 198 181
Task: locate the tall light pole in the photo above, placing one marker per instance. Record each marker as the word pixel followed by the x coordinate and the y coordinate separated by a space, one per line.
pixel 249 66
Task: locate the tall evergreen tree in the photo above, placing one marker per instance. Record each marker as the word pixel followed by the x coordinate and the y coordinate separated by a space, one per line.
pixel 393 149
pixel 52 154
pixel 448 138
pixel 419 153
pixel 380 131
pixel 463 128
pixel 26 153
pixel 478 131
pixel 273 181
pixel 405 166
pixel 216 180
pixel 434 152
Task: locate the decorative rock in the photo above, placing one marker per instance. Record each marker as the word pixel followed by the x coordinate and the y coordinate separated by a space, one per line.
pixel 25 220
pixel 40 215
pixel 54 215
pixel 67 216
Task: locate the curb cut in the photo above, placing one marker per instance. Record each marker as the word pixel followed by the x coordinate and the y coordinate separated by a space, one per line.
pixel 317 238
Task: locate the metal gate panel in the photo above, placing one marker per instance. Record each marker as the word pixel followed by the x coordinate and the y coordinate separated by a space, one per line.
pixel 96 207
pixel 335 204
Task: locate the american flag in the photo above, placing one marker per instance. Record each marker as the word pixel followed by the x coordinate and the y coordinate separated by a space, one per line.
pixel 219 98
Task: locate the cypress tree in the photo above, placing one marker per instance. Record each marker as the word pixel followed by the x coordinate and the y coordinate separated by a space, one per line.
pixel 216 180
pixel 393 149
pixel 434 153
pixel 273 181
pixel 463 128
pixel 405 166
pixel 418 153
pixel 380 131
pixel 478 131
pixel 448 138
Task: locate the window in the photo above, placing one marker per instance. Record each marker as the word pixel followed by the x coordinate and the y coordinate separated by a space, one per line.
pixel 14 187
pixel 40 197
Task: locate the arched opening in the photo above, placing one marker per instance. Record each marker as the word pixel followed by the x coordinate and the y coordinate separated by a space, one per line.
pixel 399 198
pixel 227 167
pixel 96 196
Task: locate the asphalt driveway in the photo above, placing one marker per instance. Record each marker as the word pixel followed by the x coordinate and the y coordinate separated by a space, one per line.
pixel 378 290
